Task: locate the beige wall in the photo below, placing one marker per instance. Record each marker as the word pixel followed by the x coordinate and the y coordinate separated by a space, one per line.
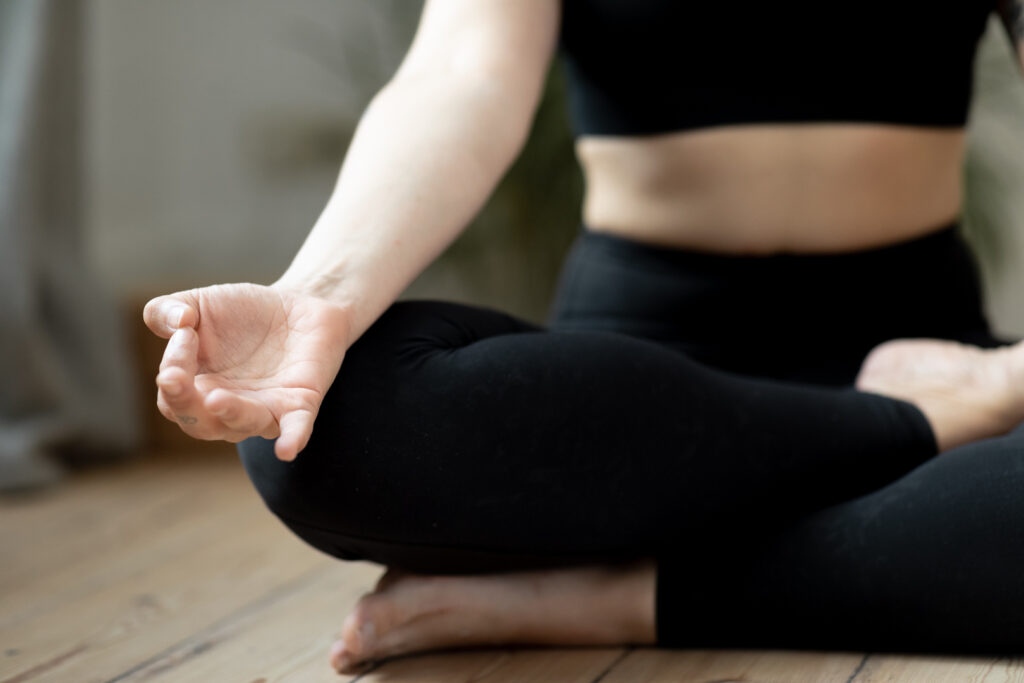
pixel 215 129
pixel 995 179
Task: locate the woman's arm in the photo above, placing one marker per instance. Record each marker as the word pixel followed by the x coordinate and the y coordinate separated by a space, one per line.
pixel 246 360
pixel 428 151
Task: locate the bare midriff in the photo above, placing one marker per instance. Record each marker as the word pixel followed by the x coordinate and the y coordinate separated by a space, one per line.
pixel 775 188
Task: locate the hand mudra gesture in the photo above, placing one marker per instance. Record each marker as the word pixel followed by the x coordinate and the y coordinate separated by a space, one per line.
pixel 247 360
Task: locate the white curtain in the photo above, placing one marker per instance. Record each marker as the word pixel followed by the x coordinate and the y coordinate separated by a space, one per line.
pixel 65 376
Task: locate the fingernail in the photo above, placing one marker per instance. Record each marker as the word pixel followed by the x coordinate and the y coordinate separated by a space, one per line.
pixel 366 632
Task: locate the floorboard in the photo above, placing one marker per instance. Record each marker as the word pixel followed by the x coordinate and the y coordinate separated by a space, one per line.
pixel 169 569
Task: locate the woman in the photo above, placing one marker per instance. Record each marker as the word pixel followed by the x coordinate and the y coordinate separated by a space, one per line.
pixel 675 459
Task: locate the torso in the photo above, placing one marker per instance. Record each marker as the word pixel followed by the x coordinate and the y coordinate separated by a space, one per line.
pixel 774 188
pixel 759 128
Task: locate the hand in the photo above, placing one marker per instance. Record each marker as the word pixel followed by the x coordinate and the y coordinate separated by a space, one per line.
pixel 247 360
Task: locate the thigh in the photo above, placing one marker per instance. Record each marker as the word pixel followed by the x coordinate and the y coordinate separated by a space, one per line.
pixel 930 562
pixel 458 438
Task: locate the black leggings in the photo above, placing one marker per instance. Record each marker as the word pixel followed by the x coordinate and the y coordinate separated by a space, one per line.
pixel 690 408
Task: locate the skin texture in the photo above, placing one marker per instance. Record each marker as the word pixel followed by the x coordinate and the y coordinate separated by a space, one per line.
pixel 245 360
pixel 764 189
pixel 428 151
pixel 579 606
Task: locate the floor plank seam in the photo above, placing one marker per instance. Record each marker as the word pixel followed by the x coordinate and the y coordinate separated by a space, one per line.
pixel 860 667
pixel 136 612
pixel 614 663
pixel 363 674
pixel 210 631
pixel 43 667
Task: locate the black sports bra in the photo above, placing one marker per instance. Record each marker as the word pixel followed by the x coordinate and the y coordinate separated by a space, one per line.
pixel 638 67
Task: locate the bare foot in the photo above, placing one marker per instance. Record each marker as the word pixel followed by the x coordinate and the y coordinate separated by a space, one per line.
pixel 967 393
pixel 409 613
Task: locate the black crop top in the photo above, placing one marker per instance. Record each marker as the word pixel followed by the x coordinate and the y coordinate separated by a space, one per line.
pixel 640 67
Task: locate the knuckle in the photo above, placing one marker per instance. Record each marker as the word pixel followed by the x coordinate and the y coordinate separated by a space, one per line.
pixel 176 404
pixel 271 431
pixel 245 429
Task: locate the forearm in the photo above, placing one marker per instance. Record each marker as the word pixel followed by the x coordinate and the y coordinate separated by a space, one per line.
pixel 424 159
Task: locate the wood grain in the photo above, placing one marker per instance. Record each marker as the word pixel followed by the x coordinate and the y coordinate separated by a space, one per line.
pixel 170 569
pixel 880 668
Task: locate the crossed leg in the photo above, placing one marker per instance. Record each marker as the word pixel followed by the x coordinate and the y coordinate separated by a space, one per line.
pixel 458 440
pixel 929 563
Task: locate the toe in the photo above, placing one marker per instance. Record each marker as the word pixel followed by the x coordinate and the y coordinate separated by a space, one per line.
pixel 338 656
pixel 344 659
pixel 361 630
pixel 388 579
pixel 344 663
pixel 350 638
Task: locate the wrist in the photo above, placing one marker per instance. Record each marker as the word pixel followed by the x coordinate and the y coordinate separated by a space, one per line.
pixel 326 285
pixel 337 313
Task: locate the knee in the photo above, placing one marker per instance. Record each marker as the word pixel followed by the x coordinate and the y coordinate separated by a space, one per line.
pixel 270 477
pixel 301 498
pixel 309 493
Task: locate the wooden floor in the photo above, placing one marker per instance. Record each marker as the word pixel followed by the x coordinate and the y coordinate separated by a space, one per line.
pixel 170 569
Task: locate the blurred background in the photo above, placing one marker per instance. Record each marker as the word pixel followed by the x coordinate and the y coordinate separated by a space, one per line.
pixel 211 134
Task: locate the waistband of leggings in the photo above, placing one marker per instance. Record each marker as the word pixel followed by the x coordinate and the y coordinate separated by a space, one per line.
pixel 937 246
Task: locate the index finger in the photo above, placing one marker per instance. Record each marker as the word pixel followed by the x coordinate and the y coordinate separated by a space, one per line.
pixel 166 314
